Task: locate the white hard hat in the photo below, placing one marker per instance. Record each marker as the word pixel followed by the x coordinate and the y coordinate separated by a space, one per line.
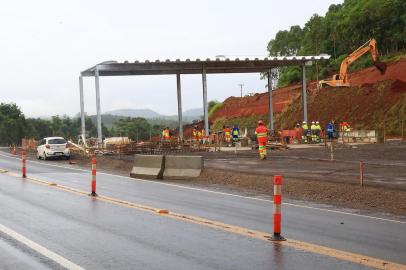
pixel 304 122
pixel 312 122
pixel 317 122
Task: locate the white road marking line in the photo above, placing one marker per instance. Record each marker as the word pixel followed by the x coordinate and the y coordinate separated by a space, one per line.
pixel 214 192
pixel 40 249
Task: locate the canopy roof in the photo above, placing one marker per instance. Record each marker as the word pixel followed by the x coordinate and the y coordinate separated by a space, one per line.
pixel 187 66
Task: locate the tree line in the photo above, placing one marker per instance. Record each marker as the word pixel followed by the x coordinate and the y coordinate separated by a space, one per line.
pixel 14 126
pixel 343 29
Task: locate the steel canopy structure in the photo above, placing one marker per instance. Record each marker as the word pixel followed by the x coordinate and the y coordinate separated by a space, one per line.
pixel 197 66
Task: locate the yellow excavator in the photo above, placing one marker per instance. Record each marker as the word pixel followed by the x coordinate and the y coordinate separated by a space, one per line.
pixel 342 78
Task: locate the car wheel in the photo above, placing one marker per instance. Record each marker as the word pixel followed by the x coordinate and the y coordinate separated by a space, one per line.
pixel 67 157
pixel 38 156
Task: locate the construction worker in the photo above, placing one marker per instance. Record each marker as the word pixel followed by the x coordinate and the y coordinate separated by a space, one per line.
pixel 262 137
pixel 298 133
pixel 344 126
pixel 227 135
pixel 305 130
pixel 330 130
pixel 236 134
pixel 313 131
pixel 199 136
pixel 166 134
pixel 194 134
pixel 318 131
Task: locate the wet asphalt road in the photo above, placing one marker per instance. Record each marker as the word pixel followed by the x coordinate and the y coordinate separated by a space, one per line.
pixel 99 235
pixel 17 257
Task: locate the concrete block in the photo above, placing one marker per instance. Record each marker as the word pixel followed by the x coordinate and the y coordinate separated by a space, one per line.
pixel 183 167
pixel 358 136
pixel 148 167
pixel 371 133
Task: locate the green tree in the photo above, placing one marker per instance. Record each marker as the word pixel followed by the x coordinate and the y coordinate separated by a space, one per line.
pixel 12 124
pixel 40 128
pixel 135 128
pixel 343 29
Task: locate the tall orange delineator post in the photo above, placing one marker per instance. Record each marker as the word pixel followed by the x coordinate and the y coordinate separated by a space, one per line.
pixel 24 160
pixel 93 177
pixel 277 202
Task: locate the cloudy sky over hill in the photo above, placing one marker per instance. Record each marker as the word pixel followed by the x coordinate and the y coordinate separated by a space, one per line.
pixel 45 44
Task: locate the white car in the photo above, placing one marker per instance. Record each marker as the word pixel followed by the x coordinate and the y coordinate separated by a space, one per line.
pixel 53 147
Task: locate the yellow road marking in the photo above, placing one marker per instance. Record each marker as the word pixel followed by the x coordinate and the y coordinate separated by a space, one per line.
pixel 313 248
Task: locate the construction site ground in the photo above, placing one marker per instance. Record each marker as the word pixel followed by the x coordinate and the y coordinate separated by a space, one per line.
pixel 308 174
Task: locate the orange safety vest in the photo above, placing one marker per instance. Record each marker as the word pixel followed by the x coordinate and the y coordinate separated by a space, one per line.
pixel 167 135
pixel 262 134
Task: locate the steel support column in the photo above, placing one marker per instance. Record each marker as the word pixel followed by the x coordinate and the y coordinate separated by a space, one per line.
pixel 99 128
pixel 82 107
pixel 179 94
pixel 304 92
pixel 205 106
pixel 271 127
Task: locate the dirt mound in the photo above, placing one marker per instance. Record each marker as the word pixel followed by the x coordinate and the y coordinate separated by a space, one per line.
pixel 257 104
pixel 367 106
pixel 345 195
pixel 359 101
pixel 394 71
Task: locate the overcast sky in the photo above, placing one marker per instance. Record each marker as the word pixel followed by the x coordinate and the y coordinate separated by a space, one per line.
pixel 45 44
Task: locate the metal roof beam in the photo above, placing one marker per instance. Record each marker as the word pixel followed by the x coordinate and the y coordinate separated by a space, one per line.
pixel 168 67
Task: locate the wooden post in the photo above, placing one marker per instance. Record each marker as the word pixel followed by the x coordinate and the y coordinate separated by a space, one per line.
pixel 361 173
pixel 331 151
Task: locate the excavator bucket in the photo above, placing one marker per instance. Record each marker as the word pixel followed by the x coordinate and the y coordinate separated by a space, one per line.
pixel 381 66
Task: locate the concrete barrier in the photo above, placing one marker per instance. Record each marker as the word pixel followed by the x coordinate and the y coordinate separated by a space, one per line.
pixel 148 167
pixel 183 167
pixel 358 136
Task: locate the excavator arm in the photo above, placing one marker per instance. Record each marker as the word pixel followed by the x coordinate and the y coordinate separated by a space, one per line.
pixel 342 78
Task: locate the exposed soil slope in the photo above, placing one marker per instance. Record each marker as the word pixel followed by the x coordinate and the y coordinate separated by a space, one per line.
pixel 367 106
pixel 257 104
pixel 370 91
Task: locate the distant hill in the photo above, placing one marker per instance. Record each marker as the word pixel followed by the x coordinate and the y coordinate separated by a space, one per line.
pixel 188 115
pixel 193 112
pixel 144 113
pixel 108 120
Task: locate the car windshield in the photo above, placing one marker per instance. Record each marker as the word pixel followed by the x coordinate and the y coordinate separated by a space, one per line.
pixel 56 141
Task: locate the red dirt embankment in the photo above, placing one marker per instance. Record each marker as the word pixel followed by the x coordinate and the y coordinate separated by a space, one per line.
pixel 364 107
pixel 395 71
pixel 259 104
